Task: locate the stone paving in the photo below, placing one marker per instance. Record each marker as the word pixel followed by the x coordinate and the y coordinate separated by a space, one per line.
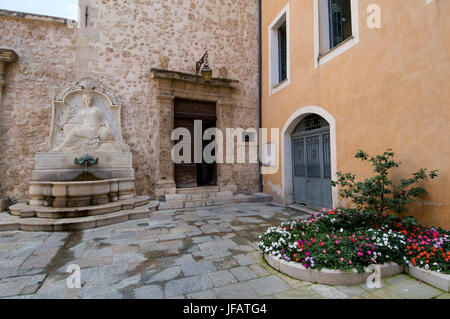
pixel 202 253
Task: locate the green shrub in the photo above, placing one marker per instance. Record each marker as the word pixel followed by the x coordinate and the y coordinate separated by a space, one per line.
pixel 378 194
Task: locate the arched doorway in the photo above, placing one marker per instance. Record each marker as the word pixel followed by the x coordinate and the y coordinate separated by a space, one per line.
pixel 311 162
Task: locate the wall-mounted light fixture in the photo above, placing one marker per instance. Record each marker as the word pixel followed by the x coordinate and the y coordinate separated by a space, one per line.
pixel 206 70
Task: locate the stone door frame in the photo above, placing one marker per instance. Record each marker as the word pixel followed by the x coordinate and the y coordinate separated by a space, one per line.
pixel 170 85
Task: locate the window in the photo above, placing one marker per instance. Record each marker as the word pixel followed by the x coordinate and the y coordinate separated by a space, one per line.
pixel 279 51
pixel 282 53
pixel 310 123
pixel 336 27
pixel 339 20
pixel 248 137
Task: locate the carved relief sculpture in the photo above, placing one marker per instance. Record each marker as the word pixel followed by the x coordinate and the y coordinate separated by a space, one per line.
pixel 92 134
pixel 85 118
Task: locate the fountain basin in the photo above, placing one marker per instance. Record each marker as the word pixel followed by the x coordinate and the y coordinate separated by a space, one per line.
pixel 80 193
pixel 61 167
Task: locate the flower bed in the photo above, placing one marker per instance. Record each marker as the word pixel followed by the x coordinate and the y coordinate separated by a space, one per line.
pixel 348 240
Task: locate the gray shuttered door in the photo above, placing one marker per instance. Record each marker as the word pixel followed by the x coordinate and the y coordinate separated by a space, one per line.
pixel 312 168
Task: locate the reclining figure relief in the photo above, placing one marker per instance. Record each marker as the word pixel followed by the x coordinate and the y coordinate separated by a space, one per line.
pixel 91 134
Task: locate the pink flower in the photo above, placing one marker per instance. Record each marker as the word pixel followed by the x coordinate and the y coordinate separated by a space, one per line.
pixel 350 262
pixel 337 241
pixel 339 252
pixel 324 251
pixel 342 259
pixel 369 252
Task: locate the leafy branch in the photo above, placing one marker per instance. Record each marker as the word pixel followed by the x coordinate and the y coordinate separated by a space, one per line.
pixel 378 194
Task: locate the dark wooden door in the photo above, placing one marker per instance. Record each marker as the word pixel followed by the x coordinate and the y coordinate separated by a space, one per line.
pixel 186 173
pixel 195 174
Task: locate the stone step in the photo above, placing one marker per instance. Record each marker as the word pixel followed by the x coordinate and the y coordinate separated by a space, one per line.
pixel 303 209
pixel 197 190
pixel 224 195
pixel 29 211
pixel 8 222
pixel 253 198
pixel 214 201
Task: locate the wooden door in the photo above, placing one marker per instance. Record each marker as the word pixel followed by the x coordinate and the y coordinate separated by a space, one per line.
pixel 194 174
pixel 186 173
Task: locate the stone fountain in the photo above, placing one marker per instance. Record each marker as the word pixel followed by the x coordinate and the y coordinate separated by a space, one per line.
pixel 85 167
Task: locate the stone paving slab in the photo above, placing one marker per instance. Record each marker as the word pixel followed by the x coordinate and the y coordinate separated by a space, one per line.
pixel 268 285
pixel 187 285
pixel 329 292
pixel 206 294
pixel 413 289
pixel 243 273
pixel 16 285
pixel 149 292
pixel 236 291
pixel 222 278
pixel 298 293
pixel 204 253
pixel 198 268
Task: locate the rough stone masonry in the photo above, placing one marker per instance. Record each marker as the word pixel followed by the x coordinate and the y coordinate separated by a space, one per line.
pixel 119 44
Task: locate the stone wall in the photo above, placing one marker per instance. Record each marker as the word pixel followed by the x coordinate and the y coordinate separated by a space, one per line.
pixel 119 44
pixel 123 40
pixel 46 65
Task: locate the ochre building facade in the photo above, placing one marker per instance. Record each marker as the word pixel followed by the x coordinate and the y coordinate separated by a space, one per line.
pixel 385 86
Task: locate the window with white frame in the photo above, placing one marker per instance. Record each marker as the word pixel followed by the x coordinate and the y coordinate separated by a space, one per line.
pixel 337 27
pixel 279 51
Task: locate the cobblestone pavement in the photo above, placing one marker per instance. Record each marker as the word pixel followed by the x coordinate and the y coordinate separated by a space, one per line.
pixel 202 253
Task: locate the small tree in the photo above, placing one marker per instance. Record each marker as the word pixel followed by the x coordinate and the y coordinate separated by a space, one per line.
pixel 378 194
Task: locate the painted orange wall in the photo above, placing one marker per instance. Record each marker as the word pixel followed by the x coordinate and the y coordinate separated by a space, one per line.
pixel 391 90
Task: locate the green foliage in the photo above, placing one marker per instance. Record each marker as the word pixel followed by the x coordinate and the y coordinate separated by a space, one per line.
pixel 347 240
pixel 378 194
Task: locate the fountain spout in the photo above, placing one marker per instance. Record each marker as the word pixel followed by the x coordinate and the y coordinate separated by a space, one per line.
pixel 86 161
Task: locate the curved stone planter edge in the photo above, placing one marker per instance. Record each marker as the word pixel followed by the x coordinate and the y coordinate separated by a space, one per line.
pixel 433 278
pixel 327 276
